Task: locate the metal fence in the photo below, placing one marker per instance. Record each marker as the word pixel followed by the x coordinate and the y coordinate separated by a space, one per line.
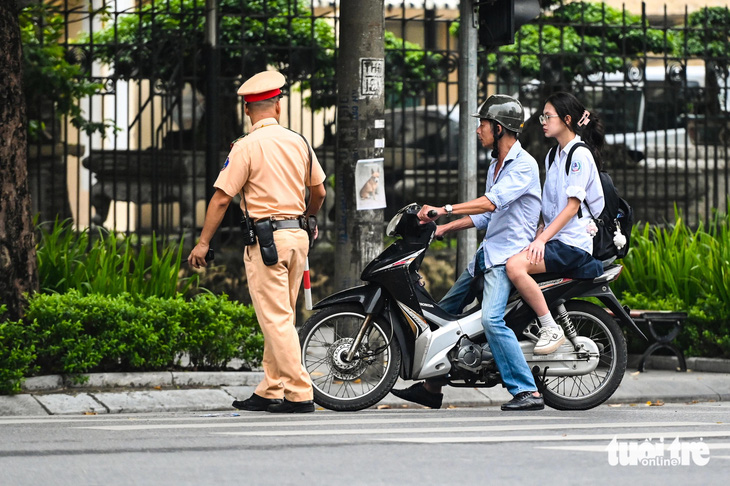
pixel 165 107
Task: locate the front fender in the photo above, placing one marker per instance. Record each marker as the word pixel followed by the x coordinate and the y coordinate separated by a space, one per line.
pixel 372 300
pixel 369 296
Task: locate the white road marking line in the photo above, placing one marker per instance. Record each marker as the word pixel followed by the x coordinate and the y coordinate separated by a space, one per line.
pixel 437 430
pixel 201 416
pixel 602 448
pixel 652 434
pixel 300 423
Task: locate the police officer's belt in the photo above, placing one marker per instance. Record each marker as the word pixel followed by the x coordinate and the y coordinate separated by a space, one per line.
pixel 287 224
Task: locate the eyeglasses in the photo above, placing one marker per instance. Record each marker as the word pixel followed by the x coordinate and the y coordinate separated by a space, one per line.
pixel 544 118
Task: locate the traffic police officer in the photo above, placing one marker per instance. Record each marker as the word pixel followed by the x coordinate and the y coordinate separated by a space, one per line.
pixel 271 167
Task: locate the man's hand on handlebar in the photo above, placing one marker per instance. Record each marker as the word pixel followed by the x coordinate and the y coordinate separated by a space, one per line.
pixel 429 213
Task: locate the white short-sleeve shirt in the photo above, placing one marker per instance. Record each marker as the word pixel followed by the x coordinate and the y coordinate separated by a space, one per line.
pixel 582 182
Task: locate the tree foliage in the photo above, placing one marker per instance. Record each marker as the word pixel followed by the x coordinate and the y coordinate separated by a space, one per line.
pixel 410 71
pixel 709 34
pixel 163 40
pixel 52 81
pixel 578 39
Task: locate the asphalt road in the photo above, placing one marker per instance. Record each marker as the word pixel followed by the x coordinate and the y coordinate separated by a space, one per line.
pixel 684 444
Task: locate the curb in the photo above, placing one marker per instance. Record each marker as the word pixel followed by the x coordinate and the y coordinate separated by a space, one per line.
pixel 710 365
pixel 161 379
pixel 156 392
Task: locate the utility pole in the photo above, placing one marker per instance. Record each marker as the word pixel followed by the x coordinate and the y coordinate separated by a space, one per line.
pixel 360 134
pixel 468 84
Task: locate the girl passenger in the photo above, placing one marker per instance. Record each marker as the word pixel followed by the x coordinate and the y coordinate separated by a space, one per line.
pixel 564 239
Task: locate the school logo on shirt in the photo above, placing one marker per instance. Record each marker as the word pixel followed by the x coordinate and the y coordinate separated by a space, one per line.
pixel 575 166
pixel 224 165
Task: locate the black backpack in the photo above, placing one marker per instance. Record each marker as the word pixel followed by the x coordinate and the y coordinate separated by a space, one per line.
pixel 616 214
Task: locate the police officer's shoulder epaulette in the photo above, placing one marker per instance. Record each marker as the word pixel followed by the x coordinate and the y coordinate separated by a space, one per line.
pixel 236 140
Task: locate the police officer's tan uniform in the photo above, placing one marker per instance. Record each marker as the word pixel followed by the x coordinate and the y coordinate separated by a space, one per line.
pixel 271 165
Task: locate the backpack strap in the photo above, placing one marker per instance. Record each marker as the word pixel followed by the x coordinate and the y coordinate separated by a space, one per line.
pixel 570 155
pixel 567 169
pixel 551 156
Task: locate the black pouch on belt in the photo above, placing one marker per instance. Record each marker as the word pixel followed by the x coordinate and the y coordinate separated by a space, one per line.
pixel 311 226
pixel 265 233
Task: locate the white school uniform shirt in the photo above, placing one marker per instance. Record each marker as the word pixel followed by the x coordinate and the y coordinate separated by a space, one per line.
pixel 582 182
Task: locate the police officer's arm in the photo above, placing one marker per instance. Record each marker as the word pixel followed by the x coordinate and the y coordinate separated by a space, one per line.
pixel 213 217
pixel 316 199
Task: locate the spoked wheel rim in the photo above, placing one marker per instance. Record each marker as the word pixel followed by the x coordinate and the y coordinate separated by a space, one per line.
pixel 324 356
pixel 586 386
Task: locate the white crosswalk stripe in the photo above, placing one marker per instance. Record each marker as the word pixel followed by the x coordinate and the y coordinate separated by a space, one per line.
pixel 453 426
pixel 642 435
pixel 466 429
pixel 313 423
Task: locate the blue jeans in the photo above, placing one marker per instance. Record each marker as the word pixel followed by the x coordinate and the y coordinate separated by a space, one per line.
pixel 459 295
pixel 507 353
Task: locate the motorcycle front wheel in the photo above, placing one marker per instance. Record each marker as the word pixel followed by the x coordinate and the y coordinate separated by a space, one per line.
pixel 583 392
pixel 343 385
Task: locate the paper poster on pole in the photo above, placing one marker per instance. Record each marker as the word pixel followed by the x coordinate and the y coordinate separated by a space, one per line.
pixel 369 184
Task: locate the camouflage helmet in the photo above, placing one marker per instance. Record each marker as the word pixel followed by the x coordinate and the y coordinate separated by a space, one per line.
pixel 503 109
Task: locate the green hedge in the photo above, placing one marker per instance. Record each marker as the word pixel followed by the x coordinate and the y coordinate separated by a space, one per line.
pixel 678 268
pixel 72 333
pixel 16 354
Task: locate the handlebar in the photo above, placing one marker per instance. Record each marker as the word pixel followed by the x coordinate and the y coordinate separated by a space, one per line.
pixel 432 214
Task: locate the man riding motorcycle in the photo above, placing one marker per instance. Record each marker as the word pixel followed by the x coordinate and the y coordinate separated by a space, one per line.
pixel 509 211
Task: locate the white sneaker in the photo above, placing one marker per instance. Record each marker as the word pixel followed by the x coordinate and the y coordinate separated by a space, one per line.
pixel 550 339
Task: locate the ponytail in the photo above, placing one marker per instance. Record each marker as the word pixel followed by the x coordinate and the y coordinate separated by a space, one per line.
pixel 582 122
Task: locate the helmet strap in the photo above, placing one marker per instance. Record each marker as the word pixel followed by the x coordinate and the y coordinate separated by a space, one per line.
pixel 498 134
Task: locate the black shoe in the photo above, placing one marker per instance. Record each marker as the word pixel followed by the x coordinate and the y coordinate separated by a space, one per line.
pixel 292 407
pixel 524 401
pixel 418 394
pixel 255 403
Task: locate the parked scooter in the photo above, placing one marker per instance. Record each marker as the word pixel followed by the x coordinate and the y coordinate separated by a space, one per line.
pixel 361 339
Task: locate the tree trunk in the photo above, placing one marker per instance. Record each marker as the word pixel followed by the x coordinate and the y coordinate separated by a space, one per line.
pixel 17 247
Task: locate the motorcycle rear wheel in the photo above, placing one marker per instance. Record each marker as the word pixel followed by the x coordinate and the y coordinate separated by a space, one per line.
pixel 348 386
pixel 584 392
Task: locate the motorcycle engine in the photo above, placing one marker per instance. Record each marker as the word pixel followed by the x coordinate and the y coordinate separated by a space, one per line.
pixel 471 356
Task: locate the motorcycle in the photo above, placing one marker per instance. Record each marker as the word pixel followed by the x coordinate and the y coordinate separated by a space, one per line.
pixel 362 339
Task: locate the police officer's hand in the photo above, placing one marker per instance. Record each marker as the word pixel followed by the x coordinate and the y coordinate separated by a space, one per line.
pixel 196 259
pixel 423 213
pixel 440 231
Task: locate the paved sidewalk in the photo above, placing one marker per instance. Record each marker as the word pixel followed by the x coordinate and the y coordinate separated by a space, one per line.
pixel 214 391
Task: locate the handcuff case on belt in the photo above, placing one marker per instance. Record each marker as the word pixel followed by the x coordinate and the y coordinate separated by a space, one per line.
pixel 265 234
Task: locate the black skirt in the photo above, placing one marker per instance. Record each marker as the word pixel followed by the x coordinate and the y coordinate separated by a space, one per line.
pixel 571 261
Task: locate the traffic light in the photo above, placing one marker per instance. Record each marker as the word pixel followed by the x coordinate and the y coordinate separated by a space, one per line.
pixel 499 19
